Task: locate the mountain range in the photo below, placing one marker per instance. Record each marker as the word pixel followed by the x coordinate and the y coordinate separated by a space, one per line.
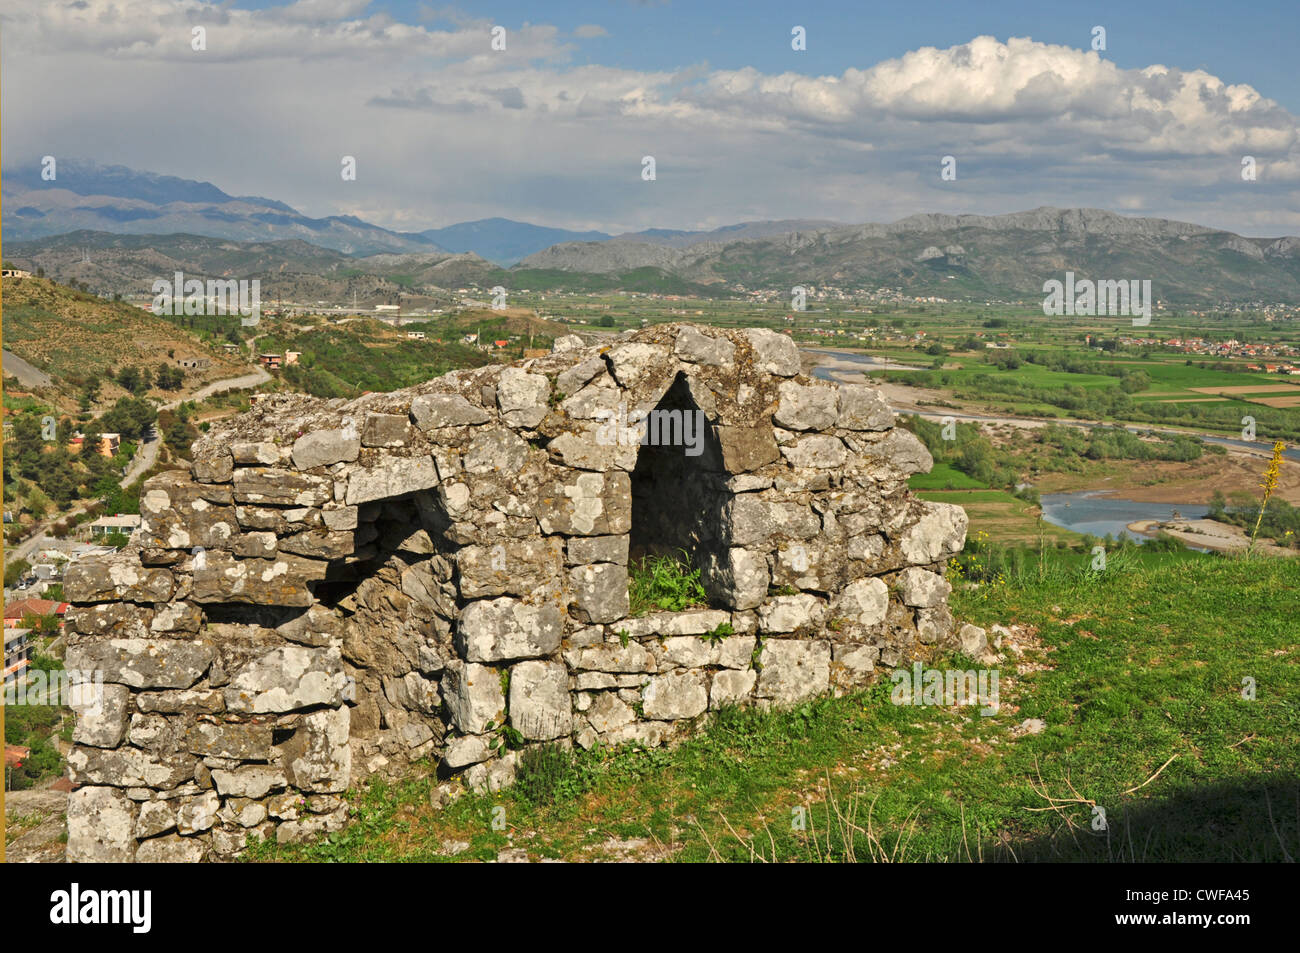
pixel 87 196
pixel 140 225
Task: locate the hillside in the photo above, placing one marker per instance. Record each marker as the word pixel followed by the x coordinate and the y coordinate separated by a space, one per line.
pixel 295 270
pixel 1006 257
pixel 89 196
pixel 1140 712
pixel 347 358
pixel 73 337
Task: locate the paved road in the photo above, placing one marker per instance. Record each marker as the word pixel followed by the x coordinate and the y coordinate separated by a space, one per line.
pixel 260 376
pixel 27 375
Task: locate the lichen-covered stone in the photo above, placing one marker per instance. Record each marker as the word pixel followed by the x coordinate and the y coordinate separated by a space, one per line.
pixel 921 588
pixel 473 696
pixel 128 767
pixel 101 826
pixel 272 486
pixel 938 534
pixel 864 601
pixel 102 712
pixel 540 708
pixel 599 592
pixel 323 448
pixel 674 696
pixel 432 411
pixel 611 657
pixel 521 397
pixel 863 408
pixel 793 670
pixel 806 406
pixel 142 663
pixel 498 630
pixel 287 679
pixel 282 581
pixel 774 353
pixel 317 756
pixel 117 578
pixel 731 687
pixel 392 477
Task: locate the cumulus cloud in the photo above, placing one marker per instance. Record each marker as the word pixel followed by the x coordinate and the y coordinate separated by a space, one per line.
pixel 445 128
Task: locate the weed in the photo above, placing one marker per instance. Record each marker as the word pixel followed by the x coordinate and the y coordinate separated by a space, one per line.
pixel 714 636
pixel 664 584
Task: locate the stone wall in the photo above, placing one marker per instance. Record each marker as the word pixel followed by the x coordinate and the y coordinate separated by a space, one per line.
pixel 338 588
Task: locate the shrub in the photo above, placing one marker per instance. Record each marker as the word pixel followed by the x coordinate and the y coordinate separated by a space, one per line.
pixel 547 773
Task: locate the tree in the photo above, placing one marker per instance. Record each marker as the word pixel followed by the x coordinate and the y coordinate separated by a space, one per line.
pixel 129 379
pixel 15 571
pixel 60 485
pixel 41 624
pixel 38 503
pixel 168 378
pixel 130 416
pixel 178 436
pixel 116 540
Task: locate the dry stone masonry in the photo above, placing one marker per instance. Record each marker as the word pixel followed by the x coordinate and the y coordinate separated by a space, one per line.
pixel 339 588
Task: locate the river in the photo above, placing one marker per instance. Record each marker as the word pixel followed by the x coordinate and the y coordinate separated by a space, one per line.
pixel 1092 512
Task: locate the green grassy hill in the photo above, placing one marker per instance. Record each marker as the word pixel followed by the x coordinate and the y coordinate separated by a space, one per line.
pixel 345 360
pixel 1138 675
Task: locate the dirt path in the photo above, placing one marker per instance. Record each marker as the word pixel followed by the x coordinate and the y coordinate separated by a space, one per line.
pixel 27 375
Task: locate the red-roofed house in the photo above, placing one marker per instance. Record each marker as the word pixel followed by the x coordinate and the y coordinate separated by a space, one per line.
pixel 14 611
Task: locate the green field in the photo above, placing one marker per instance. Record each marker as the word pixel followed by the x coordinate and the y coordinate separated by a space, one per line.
pixel 944 476
pixel 1136 672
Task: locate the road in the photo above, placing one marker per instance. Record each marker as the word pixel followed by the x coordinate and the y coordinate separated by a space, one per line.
pixel 146 455
pixel 260 376
pixel 27 375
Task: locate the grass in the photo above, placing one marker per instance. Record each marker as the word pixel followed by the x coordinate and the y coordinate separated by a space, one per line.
pixel 16 827
pixel 664 584
pixel 1004 516
pixel 944 476
pixel 1137 671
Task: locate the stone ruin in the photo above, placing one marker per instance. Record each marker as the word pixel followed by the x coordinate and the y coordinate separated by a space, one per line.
pixel 338 588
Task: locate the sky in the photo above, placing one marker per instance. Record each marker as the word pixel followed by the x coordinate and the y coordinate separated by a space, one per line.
pixel 554 129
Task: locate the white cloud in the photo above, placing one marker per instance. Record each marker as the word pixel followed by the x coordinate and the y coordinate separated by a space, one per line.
pixel 445 129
